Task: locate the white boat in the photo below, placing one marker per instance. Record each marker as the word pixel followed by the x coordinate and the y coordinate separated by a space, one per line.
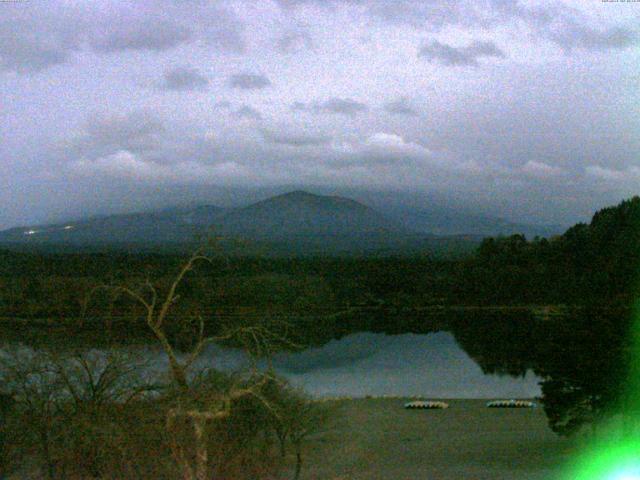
pixel 511 404
pixel 425 405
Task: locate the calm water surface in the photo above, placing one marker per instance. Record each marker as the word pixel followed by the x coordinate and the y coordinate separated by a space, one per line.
pixel 430 365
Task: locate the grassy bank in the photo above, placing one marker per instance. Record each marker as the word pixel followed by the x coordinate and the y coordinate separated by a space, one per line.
pixel 379 439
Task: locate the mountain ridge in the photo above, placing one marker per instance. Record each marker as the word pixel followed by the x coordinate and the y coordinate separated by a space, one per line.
pixel 298 221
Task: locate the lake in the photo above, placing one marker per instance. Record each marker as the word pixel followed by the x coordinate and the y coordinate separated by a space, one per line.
pixel 430 365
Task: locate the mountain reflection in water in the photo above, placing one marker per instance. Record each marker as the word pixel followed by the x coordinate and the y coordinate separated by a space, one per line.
pixel 431 365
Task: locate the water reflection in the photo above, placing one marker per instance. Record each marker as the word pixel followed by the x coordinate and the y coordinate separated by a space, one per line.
pixel 431 365
pixel 470 362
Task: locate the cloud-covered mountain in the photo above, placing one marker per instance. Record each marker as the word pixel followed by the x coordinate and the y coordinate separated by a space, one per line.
pixel 302 213
pixel 297 222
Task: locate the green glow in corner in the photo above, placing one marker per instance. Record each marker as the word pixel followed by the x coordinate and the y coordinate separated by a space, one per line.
pixel 617 457
pixel 610 462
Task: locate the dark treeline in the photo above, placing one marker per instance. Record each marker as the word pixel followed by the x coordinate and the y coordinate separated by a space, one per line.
pixel 55 285
pixel 597 263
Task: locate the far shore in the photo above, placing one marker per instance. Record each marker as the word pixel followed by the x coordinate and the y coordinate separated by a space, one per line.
pixel 539 311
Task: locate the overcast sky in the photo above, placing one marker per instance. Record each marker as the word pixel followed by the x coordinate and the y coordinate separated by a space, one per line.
pixel 527 108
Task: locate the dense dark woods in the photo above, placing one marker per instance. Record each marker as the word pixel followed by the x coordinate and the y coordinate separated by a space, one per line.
pixel 561 307
pixel 594 263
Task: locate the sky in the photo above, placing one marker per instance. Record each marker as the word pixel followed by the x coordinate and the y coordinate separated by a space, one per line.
pixel 525 109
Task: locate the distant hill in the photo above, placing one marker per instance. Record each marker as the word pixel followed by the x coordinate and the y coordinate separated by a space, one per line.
pixel 297 222
pixel 301 213
pixel 437 219
pixel 166 226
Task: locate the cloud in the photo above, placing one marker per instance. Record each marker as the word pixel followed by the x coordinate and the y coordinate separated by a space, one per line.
pixel 459 56
pixel 40 35
pixel 380 147
pixel 46 34
pixel 342 106
pixel 122 163
pixel 423 13
pixel 224 30
pixel 541 170
pixel 32 39
pixel 294 42
pixel 184 79
pixel 300 107
pixel 295 139
pixel 391 143
pixel 400 107
pixel 127 165
pixel 29 56
pixel 247 112
pixel 609 174
pixel 249 81
pixel 148 34
pixel 571 35
pixel 489 130
pixel 345 106
pixel 561 23
pixel 569 28
pixel 105 134
pixel 427 14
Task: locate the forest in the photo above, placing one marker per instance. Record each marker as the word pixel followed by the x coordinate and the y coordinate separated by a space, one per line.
pixel 590 263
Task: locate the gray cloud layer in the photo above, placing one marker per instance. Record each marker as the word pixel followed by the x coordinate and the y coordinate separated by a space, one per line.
pixel 295 139
pixel 151 34
pixel 342 106
pixel 249 81
pixel 400 106
pixel 358 93
pixel 294 42
pixel 247 112
pixel 459 56
pixel 184 79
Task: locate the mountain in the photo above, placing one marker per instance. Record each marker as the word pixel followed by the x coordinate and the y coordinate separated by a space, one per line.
pixel 297 222
pixel 301 213
pixel 440 220
pixel 163 227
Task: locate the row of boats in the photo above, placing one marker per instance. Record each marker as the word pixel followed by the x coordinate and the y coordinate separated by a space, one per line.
pixel 437 405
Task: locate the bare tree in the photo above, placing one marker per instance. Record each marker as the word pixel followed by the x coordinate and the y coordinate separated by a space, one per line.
pixel 61 400
pixel 92 380
pixel 219 409
pixel 294 417
pixel 156 313
pixel 6 404
pixel 257 340
pixel 37 388
pixel 309 418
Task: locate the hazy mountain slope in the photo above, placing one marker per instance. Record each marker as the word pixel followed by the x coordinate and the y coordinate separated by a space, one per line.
pixel 297 222
pixel 167 226
pixel 283 217
pixel 304 214
pixel 442 220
